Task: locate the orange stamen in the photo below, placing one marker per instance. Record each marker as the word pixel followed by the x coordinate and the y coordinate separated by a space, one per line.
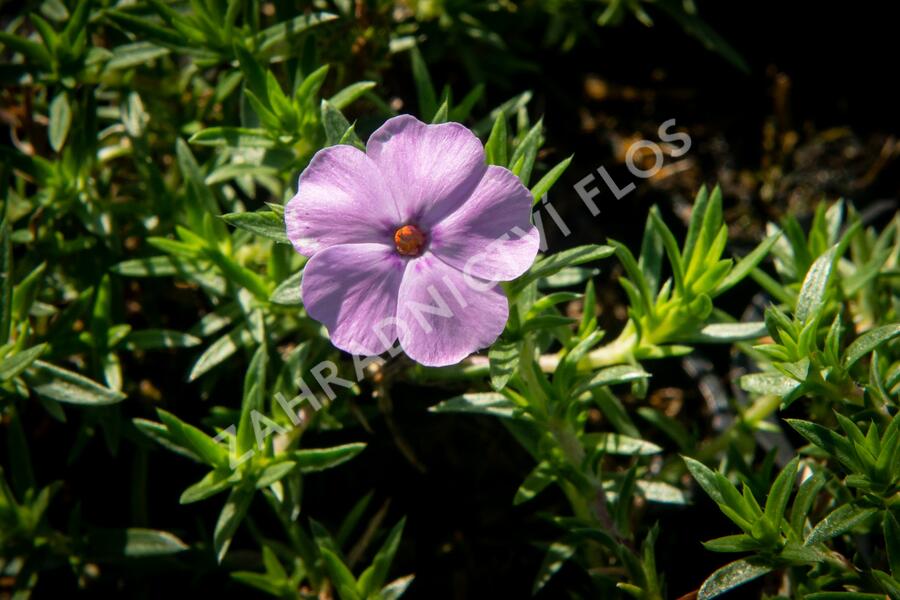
pixel 409 240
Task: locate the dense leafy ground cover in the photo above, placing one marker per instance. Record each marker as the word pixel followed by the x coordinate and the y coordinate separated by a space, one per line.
pixel 696 391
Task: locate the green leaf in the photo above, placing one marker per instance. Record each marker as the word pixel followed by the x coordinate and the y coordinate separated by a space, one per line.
pixel 729 577
pixel 101 318
pixel 425 94
pixel 133 542
pixel 731 332
pixel 350 93
pixel 77 22
pixel 127 56
pixel 231 516
pixel 522 160
pixel 588 321
pixel 707 478
pixel 220 350
pixel 546 322
pixel 180 249
pixel 34 52
pixel 288 291
pixel 264 111
pixel 264 223
pixel 145 28
pixel 337 126
pixel 612 376
pixel 39 168
pixel 264 582
pixel 777 500
pixel 312 460
pixel 556 557
pixel 892 542
pixel 200 196
pixel 836 445
pixel 548 265
pixel 374 577
pixel 798 554
pixel 340 575
pixel 504 360
pixel 269 38
pixel 746 265
pixel 272 564
pixel 240 170
pixel 441 115
pixel 255 89
pixel 510 107
pixel 6 272
pixel 395 589
pixel 866 272
pixel 253 398
pixel 839 521
pixel 150 542
pixel 463 109
pixel 350 138
pixel 487 403
pixel 868 342
pixel 890 585
pixel 308 90
pixel 217 320
pixel 661 492
pixel 567 277
pixel 275 472
pixel 233 137
pixel 671 246
pixel 649 265
pixel 546 182
pixel 213 483
pixel 24 294
pixel 804 500
pixel 20 467
pixel 710 226
pixel 60 121
pixel 536 481
pixel 496 145
pixel 62 385
pixel 698 214
pixel 160 434
pixel 352 519
pixel 732 543
pixel 281 106
pixel 209 450
pixel 154 266
pixel 812 293
pixel 623 445
pixel 768 383
pixel 11 366
pixel 155 339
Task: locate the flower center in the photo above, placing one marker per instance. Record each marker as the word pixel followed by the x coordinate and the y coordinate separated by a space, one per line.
pixel 409 240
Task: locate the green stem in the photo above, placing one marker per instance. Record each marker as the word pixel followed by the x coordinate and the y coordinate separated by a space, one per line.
pixel 618 351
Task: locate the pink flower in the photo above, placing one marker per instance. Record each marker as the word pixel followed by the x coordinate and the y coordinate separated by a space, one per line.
pixel 408 239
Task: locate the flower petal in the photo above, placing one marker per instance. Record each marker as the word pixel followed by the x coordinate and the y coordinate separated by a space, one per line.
pixel 442 317
pixel 490 236
pixel 430 169
pixel 352 289
pixel 341 199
